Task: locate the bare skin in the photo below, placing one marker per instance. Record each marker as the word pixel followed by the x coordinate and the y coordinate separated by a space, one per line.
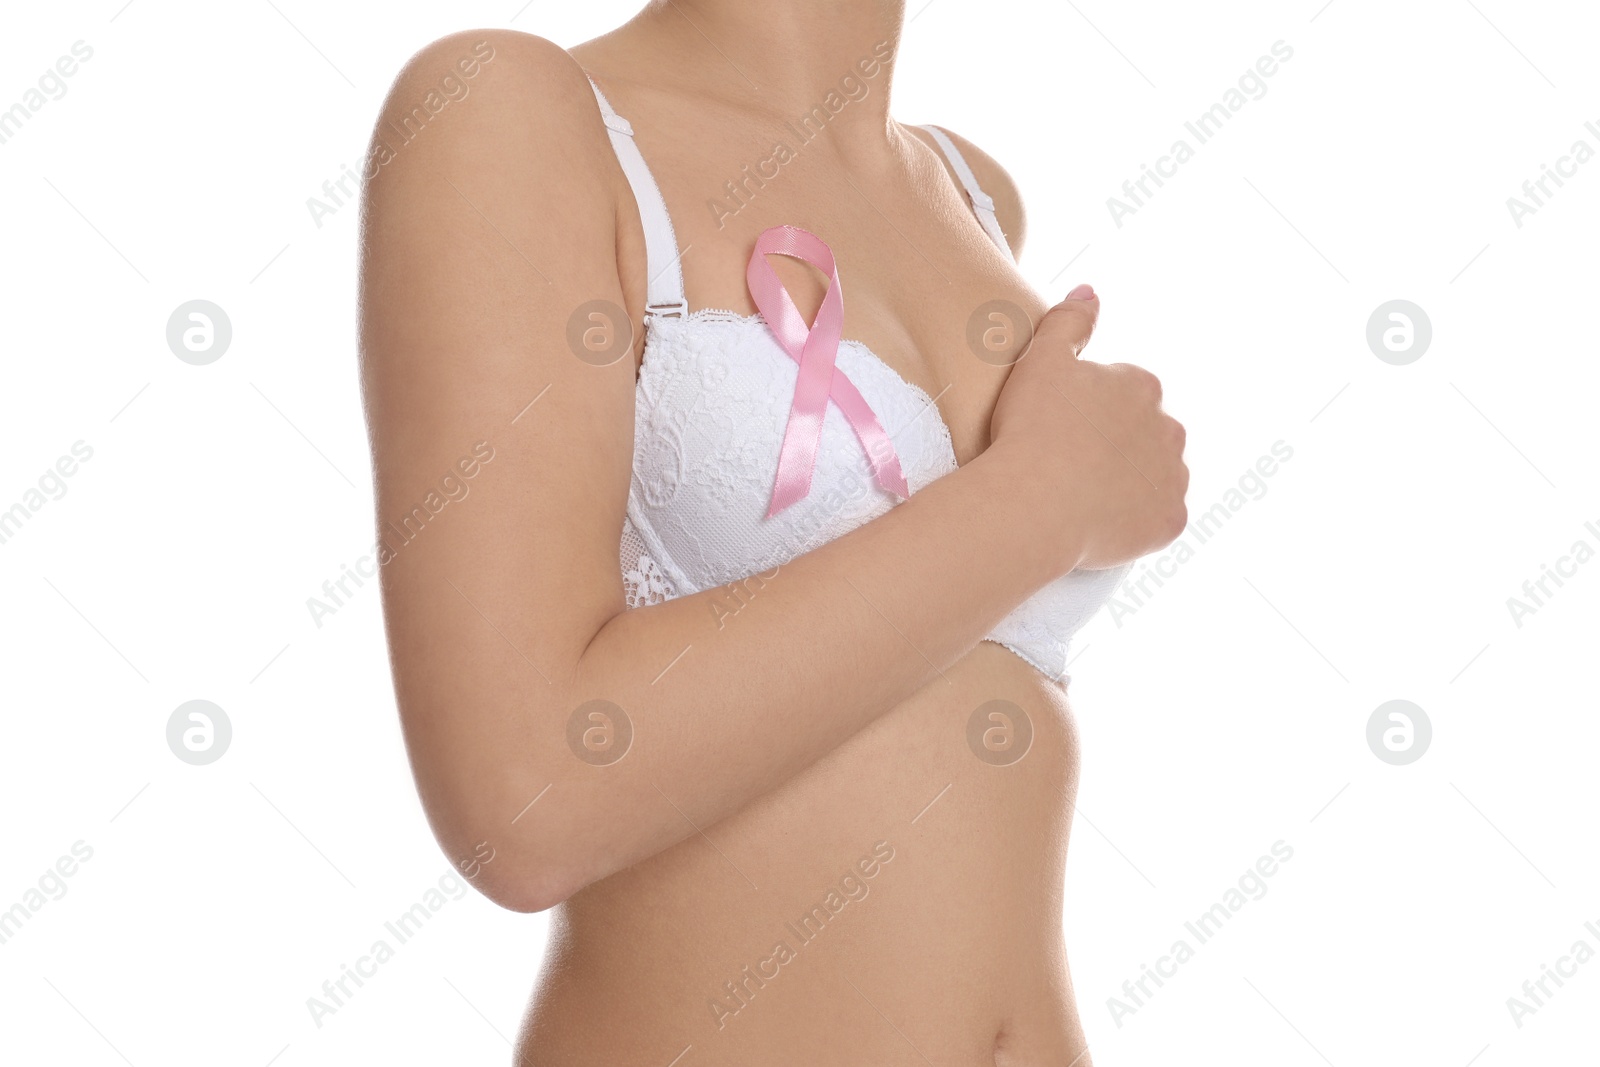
pixel 759 778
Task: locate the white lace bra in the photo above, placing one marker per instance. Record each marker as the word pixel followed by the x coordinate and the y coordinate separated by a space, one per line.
pixel 710 410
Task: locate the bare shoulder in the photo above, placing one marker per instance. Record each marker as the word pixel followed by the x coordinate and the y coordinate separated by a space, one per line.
pixel 490 169
pixel 992 178
pixel 489 213
pixel 452 68
pixel 502 100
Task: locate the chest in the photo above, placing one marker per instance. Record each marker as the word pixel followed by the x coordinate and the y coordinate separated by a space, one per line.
pixel 924 288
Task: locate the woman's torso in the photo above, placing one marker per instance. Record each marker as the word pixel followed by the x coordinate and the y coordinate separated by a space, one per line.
pixel 943 939
pixel 941 838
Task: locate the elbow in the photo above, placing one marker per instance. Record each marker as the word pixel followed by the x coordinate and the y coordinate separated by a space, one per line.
pixel 528 893
pixel 520 879
pixel 525 865
pixel 519 883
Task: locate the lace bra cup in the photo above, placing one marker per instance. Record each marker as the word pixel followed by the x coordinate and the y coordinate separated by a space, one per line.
pixel 713 398
pixel 711 406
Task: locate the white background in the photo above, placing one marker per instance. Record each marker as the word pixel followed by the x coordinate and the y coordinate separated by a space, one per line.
pixel 1226 713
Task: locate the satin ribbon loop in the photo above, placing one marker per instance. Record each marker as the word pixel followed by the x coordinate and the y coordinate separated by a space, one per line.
pixel 815 348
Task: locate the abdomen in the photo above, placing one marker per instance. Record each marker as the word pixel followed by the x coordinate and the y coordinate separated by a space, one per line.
pixel 916 872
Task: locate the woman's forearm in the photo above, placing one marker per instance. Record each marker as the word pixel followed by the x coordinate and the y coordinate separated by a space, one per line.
pixel 725 705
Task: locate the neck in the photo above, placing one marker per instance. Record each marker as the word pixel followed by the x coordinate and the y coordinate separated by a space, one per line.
pixel 786 56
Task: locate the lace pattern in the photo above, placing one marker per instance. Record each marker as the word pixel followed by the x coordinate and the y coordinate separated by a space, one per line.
pixel 711 404
pixel 643 580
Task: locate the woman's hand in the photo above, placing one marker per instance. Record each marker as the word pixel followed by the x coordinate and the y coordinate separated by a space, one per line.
pixel 1108 460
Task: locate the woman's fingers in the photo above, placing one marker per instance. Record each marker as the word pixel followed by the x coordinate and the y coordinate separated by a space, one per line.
pixel 1070 323
pixel 1094 437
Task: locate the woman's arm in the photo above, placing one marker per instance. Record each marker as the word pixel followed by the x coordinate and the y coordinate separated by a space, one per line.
pixel 506 612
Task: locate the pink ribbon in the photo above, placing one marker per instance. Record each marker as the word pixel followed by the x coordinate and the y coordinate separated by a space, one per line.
pixel 815 348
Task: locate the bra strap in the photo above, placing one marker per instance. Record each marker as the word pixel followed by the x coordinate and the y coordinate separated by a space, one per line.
pixel 664 294
pixel 982 203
